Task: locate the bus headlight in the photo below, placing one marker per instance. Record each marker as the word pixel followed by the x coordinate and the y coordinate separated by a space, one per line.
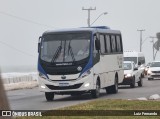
pixel 43 87
pixel 128 75
pixel 86 85
pixel 85 73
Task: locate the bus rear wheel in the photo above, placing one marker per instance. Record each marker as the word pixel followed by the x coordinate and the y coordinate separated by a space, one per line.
pixel 95 93
pixel 49 96
pixel 114 88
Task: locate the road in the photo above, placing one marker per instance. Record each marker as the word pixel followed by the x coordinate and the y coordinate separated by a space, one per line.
pixel 32 99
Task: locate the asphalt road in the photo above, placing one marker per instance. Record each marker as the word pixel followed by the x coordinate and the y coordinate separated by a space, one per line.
pixel 32 99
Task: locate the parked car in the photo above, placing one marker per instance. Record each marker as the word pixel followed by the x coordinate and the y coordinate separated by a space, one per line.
pixel 131 74
pixel 154 70
pixel 146 68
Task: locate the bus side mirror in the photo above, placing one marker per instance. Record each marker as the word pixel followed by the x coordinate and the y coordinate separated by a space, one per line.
pixel 97 44
pixel 39 44
pixel 38 47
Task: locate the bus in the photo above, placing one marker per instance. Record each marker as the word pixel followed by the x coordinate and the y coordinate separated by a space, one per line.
pixel 138 58
pixel 80 60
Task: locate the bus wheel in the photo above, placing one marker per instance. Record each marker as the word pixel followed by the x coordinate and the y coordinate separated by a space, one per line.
pixel 49 96
pixel 95 93
pixel 140 82
pixel 114 88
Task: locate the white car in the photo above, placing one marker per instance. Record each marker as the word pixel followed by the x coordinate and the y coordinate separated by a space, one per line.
pixel 154 70
pixel 147 67
pixel 131 74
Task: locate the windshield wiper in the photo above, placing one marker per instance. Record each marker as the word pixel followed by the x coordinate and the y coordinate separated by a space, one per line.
pixel 71 51
pixel 57 53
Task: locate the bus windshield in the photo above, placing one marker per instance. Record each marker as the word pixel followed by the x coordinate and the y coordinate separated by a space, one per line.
pixel 67 47
pixel 134 59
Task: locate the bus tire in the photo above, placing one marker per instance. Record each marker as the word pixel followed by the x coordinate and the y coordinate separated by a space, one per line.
pixel 114 88
pixel 132 85
pixel 95 93
pixel 49 96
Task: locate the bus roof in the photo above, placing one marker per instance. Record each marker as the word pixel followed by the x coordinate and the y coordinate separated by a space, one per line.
pixel 101 29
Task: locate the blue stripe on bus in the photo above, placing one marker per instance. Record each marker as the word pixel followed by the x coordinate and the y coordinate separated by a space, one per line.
pixel 90 63
pixel 87 67
pixel 40 69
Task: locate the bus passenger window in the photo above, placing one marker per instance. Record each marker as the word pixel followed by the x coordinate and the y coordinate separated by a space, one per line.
pixel 113 42
pixel 119 46
pixel 102 43
pixel 108 44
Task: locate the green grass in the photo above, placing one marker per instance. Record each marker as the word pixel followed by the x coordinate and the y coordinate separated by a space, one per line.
pixel 107 105
pixel 116 105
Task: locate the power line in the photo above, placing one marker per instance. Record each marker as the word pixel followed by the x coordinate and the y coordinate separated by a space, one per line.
pixel 26 20
pixel 22 52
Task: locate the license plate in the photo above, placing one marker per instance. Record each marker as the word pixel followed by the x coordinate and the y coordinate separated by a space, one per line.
pixel 63 84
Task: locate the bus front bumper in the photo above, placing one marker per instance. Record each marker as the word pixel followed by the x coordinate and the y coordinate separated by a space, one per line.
pixel 67 87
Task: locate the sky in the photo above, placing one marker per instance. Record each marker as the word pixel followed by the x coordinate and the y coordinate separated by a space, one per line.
pixel 23 21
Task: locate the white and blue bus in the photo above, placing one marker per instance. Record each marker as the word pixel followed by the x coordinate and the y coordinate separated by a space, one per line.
pixel 80 60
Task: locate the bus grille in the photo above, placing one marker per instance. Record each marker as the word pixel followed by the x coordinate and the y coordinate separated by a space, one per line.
pixel 52 87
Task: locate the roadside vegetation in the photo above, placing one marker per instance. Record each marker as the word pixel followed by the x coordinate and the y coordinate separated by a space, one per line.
pixel 101 105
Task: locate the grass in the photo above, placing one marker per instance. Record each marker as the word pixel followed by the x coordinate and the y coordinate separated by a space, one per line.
pixel 99 106
pixel 116 105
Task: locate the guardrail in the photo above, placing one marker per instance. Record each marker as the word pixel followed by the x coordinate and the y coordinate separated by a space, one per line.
pixel 19 77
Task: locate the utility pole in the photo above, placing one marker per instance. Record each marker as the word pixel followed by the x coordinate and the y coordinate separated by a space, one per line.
pixel 141 30
pixel 89 10
pixel 152 37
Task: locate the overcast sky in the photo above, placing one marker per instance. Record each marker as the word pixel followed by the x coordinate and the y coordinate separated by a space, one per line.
pixel 23 21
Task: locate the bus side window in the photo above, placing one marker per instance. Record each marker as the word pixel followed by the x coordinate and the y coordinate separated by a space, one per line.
pixel 102 42
pixel 108 44
pixel 113 43
pixel 118 42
